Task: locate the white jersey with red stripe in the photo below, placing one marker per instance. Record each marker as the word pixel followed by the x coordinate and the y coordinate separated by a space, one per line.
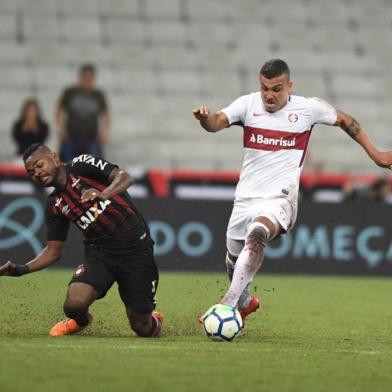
pixel 275 143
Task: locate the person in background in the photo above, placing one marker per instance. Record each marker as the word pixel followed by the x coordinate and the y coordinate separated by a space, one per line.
pixel 82 117
pixel 350 191
pixel 30 127
pixel 380 191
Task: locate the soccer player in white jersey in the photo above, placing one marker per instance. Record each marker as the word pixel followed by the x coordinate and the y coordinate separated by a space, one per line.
pixel 277 128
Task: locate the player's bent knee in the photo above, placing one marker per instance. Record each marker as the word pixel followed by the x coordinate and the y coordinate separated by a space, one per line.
pixel 141 328
pixel 74 309
pixel 257 236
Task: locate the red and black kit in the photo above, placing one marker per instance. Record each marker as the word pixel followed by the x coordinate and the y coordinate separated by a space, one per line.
pixel 118 245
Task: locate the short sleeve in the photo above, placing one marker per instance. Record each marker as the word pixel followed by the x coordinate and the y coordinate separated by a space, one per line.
pixel 236 111
pixel 103 102
pixel 56 226
pixel 93 167
pixel 64 98
pixel 322 112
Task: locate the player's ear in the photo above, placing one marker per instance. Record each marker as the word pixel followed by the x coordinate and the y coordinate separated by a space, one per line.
pixel 56 158
pixel 290 85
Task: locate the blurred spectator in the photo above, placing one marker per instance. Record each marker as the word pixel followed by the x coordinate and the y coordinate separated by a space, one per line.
pixel 29 128
pixel 82 117
pixel 350 191
pixel 380 191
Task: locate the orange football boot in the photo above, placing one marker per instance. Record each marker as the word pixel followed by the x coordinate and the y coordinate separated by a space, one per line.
pixel 159 317
pixel 68 327
pixel 253 305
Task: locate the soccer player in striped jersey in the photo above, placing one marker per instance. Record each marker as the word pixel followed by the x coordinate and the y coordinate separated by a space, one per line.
pixel 92 193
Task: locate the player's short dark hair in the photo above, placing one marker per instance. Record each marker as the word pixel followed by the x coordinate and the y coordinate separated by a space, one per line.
pixel 33 148
pixel 87 67
pixel 274 68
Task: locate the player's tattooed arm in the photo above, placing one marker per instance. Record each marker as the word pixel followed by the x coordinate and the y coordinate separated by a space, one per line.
pixel 352 127
pixel 349 124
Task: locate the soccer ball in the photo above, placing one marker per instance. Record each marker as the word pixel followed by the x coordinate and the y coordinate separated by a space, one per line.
pixel 222 322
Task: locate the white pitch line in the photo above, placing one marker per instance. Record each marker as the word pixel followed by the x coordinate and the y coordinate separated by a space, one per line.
pixel 214 347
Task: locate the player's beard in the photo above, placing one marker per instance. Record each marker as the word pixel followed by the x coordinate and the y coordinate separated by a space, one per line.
pixel 55 177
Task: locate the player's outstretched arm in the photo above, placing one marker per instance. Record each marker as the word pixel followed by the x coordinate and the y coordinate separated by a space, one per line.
pixel 352 127
pixel 49 255
pixel 211 122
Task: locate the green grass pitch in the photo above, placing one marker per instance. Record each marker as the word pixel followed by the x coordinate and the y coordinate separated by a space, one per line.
pixel 313 334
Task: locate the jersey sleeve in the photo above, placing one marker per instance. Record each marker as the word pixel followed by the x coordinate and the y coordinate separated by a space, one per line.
pixel 103 102
pixel 56 226
pixel 322 112
pixel 93 167
pixel 64 98
pixel 236 111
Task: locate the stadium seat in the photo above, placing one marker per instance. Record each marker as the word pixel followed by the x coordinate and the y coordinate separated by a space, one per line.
pixel 207 10
pixel 122 8
pixel 292 37
pixel 203 34
pixel 338 38
pixel 13 53
pixel 50 53
pixel 180 81
pixel 218 58
pixel 357 86
pixel 53 77
pixel 333 13
pixel 129 56
pixel 11 100
pixel 18 77
pixel 168 33
pixel 39 7
pixel 81 29
pixel 40 28
pixel 224 83
pixel 123 31
pixel 77 8
pixel 174 58
pixel 133 81
pixel 8 27
pixel 11 6
pixel 137 104
pixel 171 9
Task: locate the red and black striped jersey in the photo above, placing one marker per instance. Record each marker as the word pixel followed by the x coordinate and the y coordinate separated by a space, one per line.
pixel 111 223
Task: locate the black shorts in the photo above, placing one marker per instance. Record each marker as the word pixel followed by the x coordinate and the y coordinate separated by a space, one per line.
pixel 135 273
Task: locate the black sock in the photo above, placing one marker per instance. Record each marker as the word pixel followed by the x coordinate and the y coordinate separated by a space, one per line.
pixel 82 320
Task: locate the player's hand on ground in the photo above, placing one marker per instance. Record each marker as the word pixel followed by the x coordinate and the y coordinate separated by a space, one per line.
pixel 201 112
pixel 4 269
pixel 91 195
pixel 12 269
pixel 384 159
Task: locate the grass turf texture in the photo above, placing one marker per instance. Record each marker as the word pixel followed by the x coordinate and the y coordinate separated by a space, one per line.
pixel 313 334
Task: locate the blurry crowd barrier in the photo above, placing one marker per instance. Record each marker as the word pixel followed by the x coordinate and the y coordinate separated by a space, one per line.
pixel 189 231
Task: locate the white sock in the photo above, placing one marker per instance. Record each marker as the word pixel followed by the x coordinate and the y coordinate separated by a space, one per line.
pixel 248 263
pixel 245 297
pixel 230 266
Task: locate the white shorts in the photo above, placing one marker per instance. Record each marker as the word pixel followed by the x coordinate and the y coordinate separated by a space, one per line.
pixel 279 210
